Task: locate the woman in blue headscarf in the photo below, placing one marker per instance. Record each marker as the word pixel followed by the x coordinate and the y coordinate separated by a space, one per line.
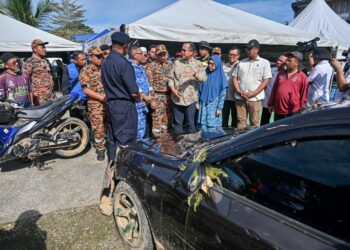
pixel 212 96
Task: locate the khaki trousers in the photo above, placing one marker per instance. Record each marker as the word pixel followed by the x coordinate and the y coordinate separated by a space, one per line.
pixel 248 107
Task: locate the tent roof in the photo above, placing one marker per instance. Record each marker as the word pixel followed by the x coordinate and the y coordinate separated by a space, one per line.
pixel 320 20
pixel 17 37
pixel 208 20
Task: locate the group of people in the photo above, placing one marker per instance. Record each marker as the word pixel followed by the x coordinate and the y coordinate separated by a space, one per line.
pixel 128 90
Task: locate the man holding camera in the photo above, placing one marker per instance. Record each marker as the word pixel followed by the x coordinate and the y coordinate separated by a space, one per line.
pixel 343 80
pixel 320 76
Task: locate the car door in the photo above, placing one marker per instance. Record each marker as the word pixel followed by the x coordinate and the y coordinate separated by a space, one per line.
pixel 288 196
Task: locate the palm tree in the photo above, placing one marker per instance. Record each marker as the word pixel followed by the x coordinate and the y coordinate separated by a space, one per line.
pixel 23 11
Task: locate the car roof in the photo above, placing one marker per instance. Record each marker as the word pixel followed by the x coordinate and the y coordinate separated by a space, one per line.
pixel 325 122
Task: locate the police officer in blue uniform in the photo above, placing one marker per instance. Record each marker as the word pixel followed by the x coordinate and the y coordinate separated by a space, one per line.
pixel 118 78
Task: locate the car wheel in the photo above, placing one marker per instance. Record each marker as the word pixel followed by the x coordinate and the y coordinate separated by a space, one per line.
pixel 130 218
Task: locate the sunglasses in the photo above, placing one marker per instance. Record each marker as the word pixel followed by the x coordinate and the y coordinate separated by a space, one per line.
pixel 99 56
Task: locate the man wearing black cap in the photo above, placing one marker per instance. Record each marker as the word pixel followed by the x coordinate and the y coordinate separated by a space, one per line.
pixel 13 85
pixel 289 92
pixel 204 53
pixel 320 76
pixel 250 78
pixel 118 78
pixel 38 72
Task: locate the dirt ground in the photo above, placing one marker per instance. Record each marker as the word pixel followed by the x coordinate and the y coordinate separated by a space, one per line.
pixel 74 228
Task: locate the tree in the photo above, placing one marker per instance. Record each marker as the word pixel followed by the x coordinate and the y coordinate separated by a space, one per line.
pixel 23 10
pixel 70 20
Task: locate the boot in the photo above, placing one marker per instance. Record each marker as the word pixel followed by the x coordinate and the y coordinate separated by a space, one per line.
pixel 100 155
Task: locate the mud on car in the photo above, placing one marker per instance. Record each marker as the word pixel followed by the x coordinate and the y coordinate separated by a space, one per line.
pixel 285 185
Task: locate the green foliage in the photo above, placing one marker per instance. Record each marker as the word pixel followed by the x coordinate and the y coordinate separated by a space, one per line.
pixel 23 10
pixel 69 20
pixel 214 174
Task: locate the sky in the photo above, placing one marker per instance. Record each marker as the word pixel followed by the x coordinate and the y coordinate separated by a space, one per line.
pixel 102 14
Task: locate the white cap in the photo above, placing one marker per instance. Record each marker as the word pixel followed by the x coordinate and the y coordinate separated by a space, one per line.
pixel 143 49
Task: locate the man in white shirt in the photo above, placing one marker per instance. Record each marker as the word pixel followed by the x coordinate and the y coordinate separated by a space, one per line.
pixel 229 105
pixel 280 64
pixel 250 78
pixel 343 81
pixel 320 76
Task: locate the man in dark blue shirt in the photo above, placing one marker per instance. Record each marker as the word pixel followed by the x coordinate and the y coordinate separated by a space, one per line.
pixel 118 78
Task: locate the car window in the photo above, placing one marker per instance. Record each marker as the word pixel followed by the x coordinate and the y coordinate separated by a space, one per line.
pixel 306 180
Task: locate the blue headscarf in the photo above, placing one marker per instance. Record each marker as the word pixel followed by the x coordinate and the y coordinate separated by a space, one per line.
pixel 216 83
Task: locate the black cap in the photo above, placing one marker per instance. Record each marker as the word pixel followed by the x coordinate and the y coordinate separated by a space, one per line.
pixel 120 37
pixel 204 44
pixel 322 54
pixel 253 44
pixel 7 56
pixel 298 55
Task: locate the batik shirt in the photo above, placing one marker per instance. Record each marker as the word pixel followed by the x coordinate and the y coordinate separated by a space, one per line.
pixel 38 73
pixel 158 74
pixel 187 86
pixel 142 82
pixel 90 77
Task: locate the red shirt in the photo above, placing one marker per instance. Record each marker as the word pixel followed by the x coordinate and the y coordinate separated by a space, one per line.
pixel 289 95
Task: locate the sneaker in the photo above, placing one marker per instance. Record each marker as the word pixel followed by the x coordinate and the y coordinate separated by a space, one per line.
pixel 100 155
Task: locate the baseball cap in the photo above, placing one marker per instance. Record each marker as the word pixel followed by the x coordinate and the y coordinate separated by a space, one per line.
pixel 7 56
pixel 95 51
pixel 160 48
pixel 298 55
pixel 253 44
pixel 120 37
pixel 37 42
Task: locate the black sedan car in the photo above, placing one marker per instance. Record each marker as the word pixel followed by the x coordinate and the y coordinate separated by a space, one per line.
pixel 285 185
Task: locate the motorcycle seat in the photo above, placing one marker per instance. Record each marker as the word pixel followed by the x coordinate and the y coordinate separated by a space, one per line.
pixel 40 111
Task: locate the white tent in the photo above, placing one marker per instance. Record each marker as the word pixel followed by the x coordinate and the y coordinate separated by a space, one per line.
pixel 17 37
pixel 319 19
pixel 196 20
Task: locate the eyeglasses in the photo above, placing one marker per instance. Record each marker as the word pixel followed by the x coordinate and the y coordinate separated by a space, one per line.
pixel 184 50
pixel 13 63
pixel 232 55
pixel 98 56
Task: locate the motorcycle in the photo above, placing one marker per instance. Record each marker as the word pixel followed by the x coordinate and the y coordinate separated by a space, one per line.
pixel 42 130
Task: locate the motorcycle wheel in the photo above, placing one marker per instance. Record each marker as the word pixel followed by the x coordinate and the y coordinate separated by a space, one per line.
pixel 78 126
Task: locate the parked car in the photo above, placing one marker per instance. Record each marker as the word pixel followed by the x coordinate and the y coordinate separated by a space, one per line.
pixel 286 186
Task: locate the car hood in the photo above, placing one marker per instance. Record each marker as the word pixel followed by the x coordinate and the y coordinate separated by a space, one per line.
pixel 184 145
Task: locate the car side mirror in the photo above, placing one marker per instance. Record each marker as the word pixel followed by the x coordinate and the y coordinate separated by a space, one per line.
pixel 193 177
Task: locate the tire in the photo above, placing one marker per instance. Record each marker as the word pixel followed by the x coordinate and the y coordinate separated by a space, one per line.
pixel 68 124
pixel 127 209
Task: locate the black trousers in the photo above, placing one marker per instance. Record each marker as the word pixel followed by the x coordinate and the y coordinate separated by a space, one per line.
pixel 184 112
pixel 121 125
pixel 265 116
pixel 229 108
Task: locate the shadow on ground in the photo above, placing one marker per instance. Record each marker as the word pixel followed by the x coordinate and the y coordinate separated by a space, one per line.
pixel 77 228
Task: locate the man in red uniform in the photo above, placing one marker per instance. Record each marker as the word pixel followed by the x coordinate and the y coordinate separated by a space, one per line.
pixel 289 93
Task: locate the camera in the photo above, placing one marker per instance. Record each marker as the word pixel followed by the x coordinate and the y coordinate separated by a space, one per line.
pixel 307 46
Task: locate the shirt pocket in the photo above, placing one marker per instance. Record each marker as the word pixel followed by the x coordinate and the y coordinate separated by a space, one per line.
pixel 257 73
